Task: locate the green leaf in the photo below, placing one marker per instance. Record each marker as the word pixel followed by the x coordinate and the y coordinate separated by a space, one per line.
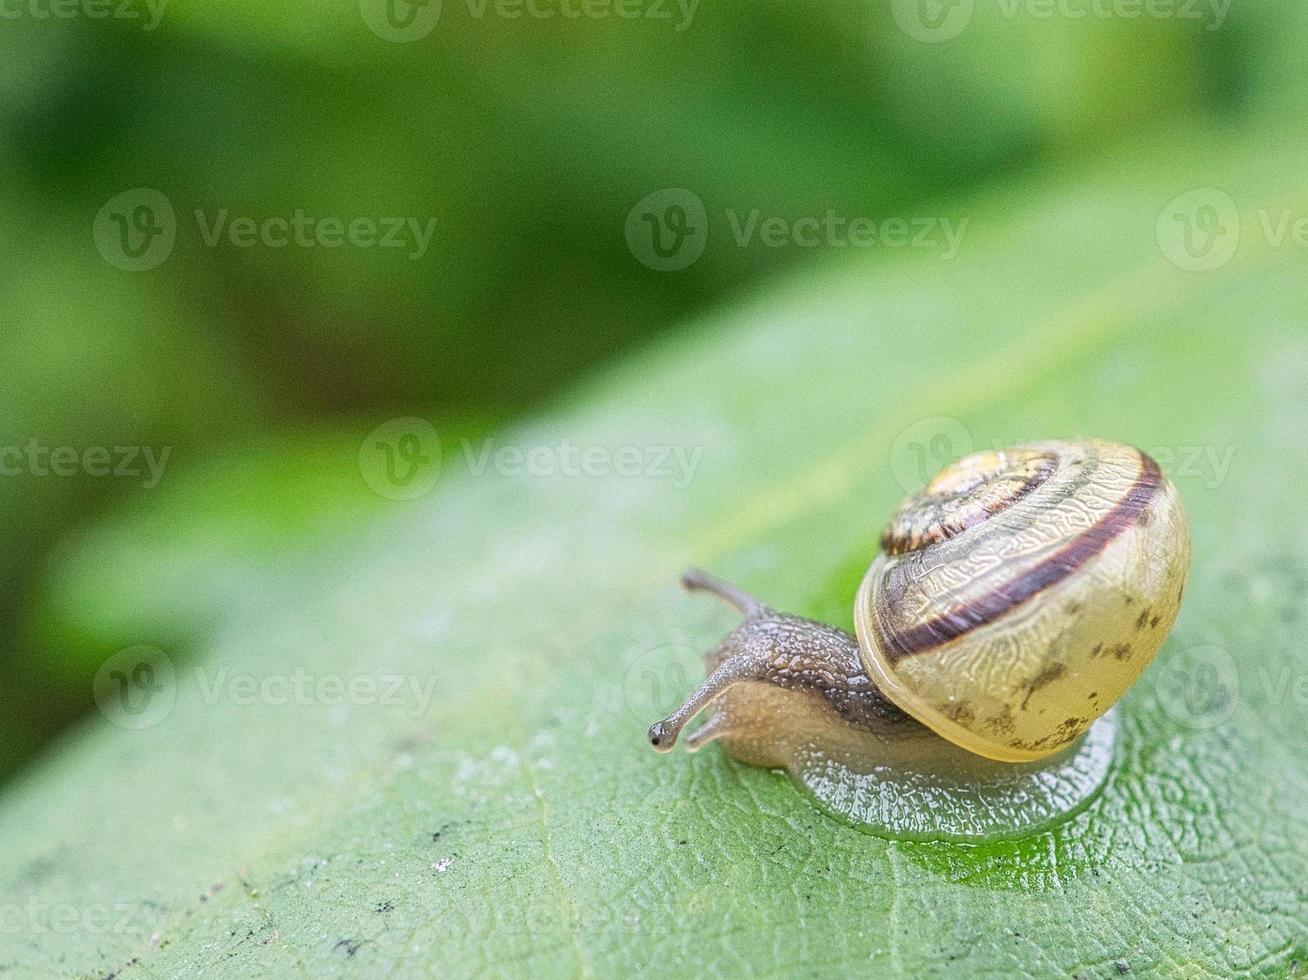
pixel 519 824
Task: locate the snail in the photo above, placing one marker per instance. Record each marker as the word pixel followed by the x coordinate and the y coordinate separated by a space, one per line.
pixel 1014 601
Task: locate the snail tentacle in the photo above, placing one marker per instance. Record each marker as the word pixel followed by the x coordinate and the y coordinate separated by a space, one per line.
pixel 734 665
pixel 770 660
pixel 717 726
pixel 740 664
pixel 698 580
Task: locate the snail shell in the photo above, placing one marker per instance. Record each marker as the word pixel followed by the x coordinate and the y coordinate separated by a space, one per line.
pixel 1016 598
pixel 1022 592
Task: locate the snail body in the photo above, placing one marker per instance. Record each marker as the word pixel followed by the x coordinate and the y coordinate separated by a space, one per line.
pixel 1016 598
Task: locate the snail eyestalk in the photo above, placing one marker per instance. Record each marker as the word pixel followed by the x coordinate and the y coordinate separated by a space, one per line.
pixel 735 668
pixel 697 580
pixel 736 661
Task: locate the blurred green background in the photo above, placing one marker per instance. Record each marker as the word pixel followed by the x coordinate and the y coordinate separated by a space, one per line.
pixel 529 141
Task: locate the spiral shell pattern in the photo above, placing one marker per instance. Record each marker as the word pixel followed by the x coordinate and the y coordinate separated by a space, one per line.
pixel 1022 592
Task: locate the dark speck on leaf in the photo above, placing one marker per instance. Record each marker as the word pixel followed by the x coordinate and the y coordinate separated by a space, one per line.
pixel 348 946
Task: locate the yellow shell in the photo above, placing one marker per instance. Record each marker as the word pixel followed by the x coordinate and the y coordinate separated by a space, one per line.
pixel 1022 592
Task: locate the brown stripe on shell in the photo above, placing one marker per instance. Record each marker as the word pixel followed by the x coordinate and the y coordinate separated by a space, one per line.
pixel 988 608
pixel 945 519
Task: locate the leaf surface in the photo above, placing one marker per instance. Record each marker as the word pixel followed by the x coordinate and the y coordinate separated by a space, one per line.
pixel 509 818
